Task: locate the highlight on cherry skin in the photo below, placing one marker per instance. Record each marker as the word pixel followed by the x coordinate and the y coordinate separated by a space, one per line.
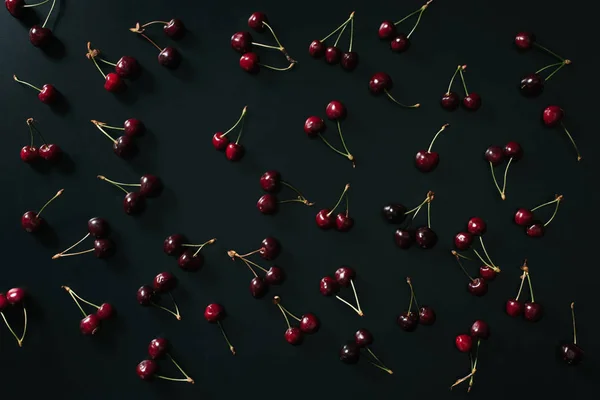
pixel 479 331
pixel 234 151
pixel 163 283
pixel 259 286
pixel 48 151
pixel 31 221
pixel 527 218
pixel 272 183
pixel 400 41
pixel 134 203
pixel 174 28
pixel 189 256
pixel 215 314
pixel 14 297
pixel 333 54
pixel 47 94
pixel 405 236
pixel 532 311
pixel 168 57
pixel 91 323
pixel 123 146
pixel 99 230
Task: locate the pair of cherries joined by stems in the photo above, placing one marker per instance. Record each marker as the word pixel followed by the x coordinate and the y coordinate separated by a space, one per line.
pixel 532 311
pixel 526 218
pixel 427 160
pixel 308 324
pixel 126 67
pixel 380 83
pixel 14 297
pixel 234 151
pixel 343 277
pixel 350 352
pixel 47 94
pixel 464 343
pixel 315 127
pixel 243 43
pixel 134 203
pixel 31 221
pixel 272 183
pixel 552 116
pixel 104 247
pixel 148 369
pixel 333 55
pixel 532 85
pixel 496 155
pixel 49 152
pixel 164 282
pixel 343 222
pixel 451 100
pixel 463 241
pixel 406 236
pixel 269 249
pixel 400 42
pixel 90 323
pixel 124 145
pixel 424 315
pixel 39 35
pixel 168 57
pixel 188 260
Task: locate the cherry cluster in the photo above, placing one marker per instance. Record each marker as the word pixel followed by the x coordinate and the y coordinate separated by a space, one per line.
pixel 342 222
pixel 381 82
pixel 533 227
pixel 168 57
pixel 269 249
pixel 126 68
pixel 400 42
pixel 464 343
pixel 215 313
pixel 234 151
pixel 315 127
pixel 350 352
pixel 451 100
pixel 496 155
pixel 243 43
pixel 124 145
pixel 49 152
pixel 308 324
pixel 272 183
pixel 406 235
pixel 424 315
pixel 531 310
pixel 333 55
pixel 343 277
pixel 14 297
pixel 48 94
pixel 177 246
pixel 148 369
pixel 134 203
pixel 104 247
pixel 164 282
pixel 31 221
pixel 90 323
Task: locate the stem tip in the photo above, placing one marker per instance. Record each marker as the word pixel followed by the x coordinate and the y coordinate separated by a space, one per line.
pixel 276 300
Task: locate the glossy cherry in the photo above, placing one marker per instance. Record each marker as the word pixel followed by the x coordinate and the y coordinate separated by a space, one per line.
pixel 15 296
pixel 494 155
pixel 234 152
pixel 147 370
pixel 344 276
pixel 335 110
pixel 329 286
pixel 31 221
pixel 90 324
pixel 309 323
pixel 175 29
pixel 523 217
pixel 427 160
pixel 293 335
pixel 532 311
pixel 531 85
pixel 250 62
pixel 145 295
pixel 394 213
pixel 267 204
pixel 103 248
pixel 480 330
pixel 349 60
pixel 464 343
pixel 487 273
pixel 450 101
pixel 476 226
pixel 552 116
pixel 128 67
pixel 105 311
pixel 241 42
pixel 316 49
pixel 324 218
pixel 571 353
pixel 363 338
pixel 98 227
pixel 258 287
pixel 425 237
pixel 349 353
pixel 463 240
pixel 408 321
pixel 404 238
pixel 426 315
pixel 514 307
pixel 524 40
pixel 169 57
pixel 313 126
pixel 381 82
pixel 400 42
pixel 158 348
pixel 164 282
pixel 40 36
pixel 513 150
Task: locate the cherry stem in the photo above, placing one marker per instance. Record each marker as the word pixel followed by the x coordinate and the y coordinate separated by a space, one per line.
pixel 553 214
pixel 300 195
pixel 548 51
pixel 26 83
pixel 462 267
pixel 347 205
pixel 351 34
pixel 461 380
pixel 99 126
pixel 166 378
pixel 462 78
pixel 298 200
pixel 32 128
pixel 200 246
pixel 356 297
pixel 277 68
pixel 19 339
pixel 107 62
pixel 119 128
pixel 281 48
pixel 339 27
pixel 381 365
pixel 49 12
pixel 572 141
pixel 573 318
pixel 549 66
pixel 188 379
pixel 455 253
pixel 348 156
pixel 356 310
pixel 530 287
pixel 429 215
pixel 78 305
pixel 252 252
pixel 557 199
pixel 237 123
pixel 231 348
pixel 72 292
pixel 481 259
pixel 491 263
pixel 233 254
pixel 30 125
pixel 339 35
pixel 521 285
pixel 154 22
pixel 474 366
pixel 103 178
pixel 96 64
pixel 287 321
pixel 340 199
pixel 557 69
pixel 452 80
pixel 502 195
pixel 62 254
pixel 35 5
pixel 289 313
pixel 417 105
pixel 118 183
pixel 254 264
pixel 50 201
pixel 436 135
pixel 151 41
pixel 421 9
pixel 412 296
pixel 175 313
pixel 427 199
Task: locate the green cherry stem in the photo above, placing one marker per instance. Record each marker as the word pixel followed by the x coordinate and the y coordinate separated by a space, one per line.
pixel 244 110
pixel 413 13
pixel 26 83
pixel 413 297
pixel 549 66
pixel 175 313
pixel 340 35
pixel 356 310
pixel 572 141
pixel 351 34
pixel 277 68
pixel 421 11
pixel 503 192
pixel 233 254
pixel 64 252
pixel 99 126
pixel 350 156
pixel 276 300
pixel 30 122
pixel 49 12
pixel 456 255
pixel 103 178
pixel 91 54
pixel 523 276
pixel 280 48
pixel 428 199
pixel 502 196
pixel 19 339
pixel 380 365
pixel 339 27
pixel 557 199
pixel 566 62
pixel 474 366
pixel 109 63
pixel 231 348
pixel 491 263
pixel 72 293
pixel 155 22
pixel 340 199
pixel 436 135
pixel 30 125
pixel 573 318
pixel 75 300
pixel 36 4
pixel 453 77
pixel 530 286
pixel 50 201
pixel 539 46
pixel 200 246
pixel 462 78
pixel 187 378
pixel 554 213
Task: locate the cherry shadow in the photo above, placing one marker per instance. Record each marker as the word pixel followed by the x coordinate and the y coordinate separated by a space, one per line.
pixel 55 49
pixel 61 106
pixel 188 40
pixel 128 96
pixel 29 18
pixel 144 82
pixel 154 218
pixel 66 165
pixel 146 160
pixel 47 237
pixel 185 72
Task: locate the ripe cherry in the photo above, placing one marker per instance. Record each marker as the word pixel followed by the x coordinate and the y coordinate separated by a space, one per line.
pixel 464 343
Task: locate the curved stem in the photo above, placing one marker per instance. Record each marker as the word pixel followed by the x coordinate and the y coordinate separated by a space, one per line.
pixel 356 310
pixel 530 288
pixel 462 267
pixel 103 131
pixel 503 194
pixel 548 51
pixel 166 378
pixel 10 329
pixel 167 310
pixel 429 215
pixel 276 68
pixel 340 199
pixel 553 214
pixel 573 318
pixel 102 178
pixel 155 22
pixel 558 198
pixel 231 348
pixel 20 341
pixel 521 285
pixel 49 12
pixel 555 71
pixel 32 126
pixel 452 80
pixel 548 66
pixel 483 261
pixel 388 94
pixel 572 141
pixel 413 297
pixel 78 305
pixel 457 254
pixel 491 263
pixel 150 40
pixel 248 265
pixel 119 128
pixel 409 15
pixel 211 241
pixel 62 253
pixel 238 121
pixel 109 63
pixel 266 46
pixel 356 297
pixel 98 67
pixel 289 313
pixel 389 371
pixel 180 369
pixel 436 135
pixel 82 299
pixel 26 83
pixel 255 264
pixel 418 20
pixel 287 321
pixel 35 5
pixel 462 78
pixel 339 35
pixel 338 28
pixel 281 48
pixel 118 183
pixel 331 147
pixel 298 200
pixel 496 181
pixel 474 366
pixel 418 207
pixel 351 34
pixel 342 137
pixel 300 195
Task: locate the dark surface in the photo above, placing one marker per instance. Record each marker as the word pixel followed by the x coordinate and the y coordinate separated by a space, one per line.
pixel 207 196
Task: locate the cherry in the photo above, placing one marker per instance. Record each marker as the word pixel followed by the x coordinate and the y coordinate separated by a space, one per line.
pixel 314 126
pixel 464 343
pixel 40 36
pixel 343 223
pixel 105 311
pixel 250 62
pixel 400 43
pixel 487 273
pixel 427 160
pixel 175 29
pixel 267 204
pixel 531 85
pixel 233 151
pixel 270 248
pixel 103 248
pixel 169 57
pixel 258 287
pixel 349 60
pixel 134 203
pixel 405 237
pixel 293 335
pixel 536 228
pixel 214 313
pixel 394 213
pixel 523 217
pixel 164 282
pixel 514 307
pixel 150 186
pixel 335 110
pixel 3 302
pixel 123 146
pixel 147 369
pixel 553 116
pixel 158 348
pixel 494 155
pixel 450 101
pixel 472 101
pixel 257 21
pixel 29 154
pixel 344 276
pixel 145 295
pixel 31 220
pixel 532 311
pixel 350 353
pixel 316 49
pixel 173 245
pixel 128 67
pixel 270 181
pixel 50 152
pixel 477 226
pixel 114 83
pixel 513 150
pixel 190 262
pixel 16 8
pixel 90 324
pixel 329 286
pixel 387 30
pixel 363 338
pixel 275 276
pixel 219 141
pixel 241 42
pixel 425 237
pixel 463 240
pixel 47 94
pixel 381 82
pixel 478 287
pixel 332 55
pixel 324 220
pixel 309 323
pixel 426 315
pixel 480 330
pixel 408 321
pixel 15 296
pixel 571 353
pixel 524 40
pixel 98 227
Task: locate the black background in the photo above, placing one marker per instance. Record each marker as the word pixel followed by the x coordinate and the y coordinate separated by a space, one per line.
pixel 208 196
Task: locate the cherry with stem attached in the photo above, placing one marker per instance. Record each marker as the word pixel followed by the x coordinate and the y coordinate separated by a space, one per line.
pixel 103 246
pixel 164 282
pixel 271 182
pixel 495 155
pixel 308 324
pixel 40 36
pixel 552 116
pixel 533 227
pixel 471 101
pixel 124 146
pixel 147 370
pixel 49 152
pixel 259 21
pixel 571 353
pixel 15 296
pixel 408 320
pixel 90 323
pixel 215 313
pixel 134 203
pixel 47 94
pixel 31 221
pixel 344 277
pixel 400 42
pixel 125 67
pixel 426 238
pixel 335 111
pixel 363 339
pixel 477 286
pixel 532 310
pixel 132 127
pixel 427 160
pixel 167 57
pixel 514 307
pixel 17 8
pixel 381 82
pixel 112 81
pixel 190 260
pixel 324 217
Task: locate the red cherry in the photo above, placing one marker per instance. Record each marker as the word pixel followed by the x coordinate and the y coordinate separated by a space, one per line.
pixel 29 154
pixel 219 141
pixel 113 83
pixel 464 343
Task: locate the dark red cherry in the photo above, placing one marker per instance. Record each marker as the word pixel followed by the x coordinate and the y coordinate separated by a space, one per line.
pixel 426 315
pixel 214 313
pixel 145 295
pixel 427 161
pixel 147 369
pixel 150 186
pixel 477 287
pixel 480 330
pixel 50 152
pixel 219 141
pixel 234 152
pixel 380 82
pixel 98 227
pixel 274 276
pixel 328 286
pixel 464 343
pixel 532 311
pixel 309 323
pixel 313 126
pixel 175 29
pixel 158 348
pixel 125 147
pixel 39 36
pixel 190 262
pixel 463 240
pixel 450 101
pixel 134 203
pixel 104 248
pixel 241 42
pixel 106 311
pixel 164 282
pixel 400 43
pixel 524 40
pixel 316 49
pixel 404 238
pixel 344 275
pixel 16 8
pixel 513 150
pixel 350 353
pixel 472 102
pixel 293 335
pixel 134 127
pixel 552 116
pixel 48 95
pixel 16 296
pixel 349 60
pixel 425 237
pixel 408 321
pixel 387 30
pixel 523 217
pixel 267 204
pixel 536 230
pixel 343 222
pixel 571 354
pixel 335 110
pixel 90 324
pixel 363 338
pixel 258 287
pixel 128 67
pixel 514 307
pixel 487 273
pixel 324 220
pixel 114 83
pixel 29 154
pixel 173 245
pixel 531 85
pixel 270 248
pixel 30 222
pixel 394 213
pixel 169 57
pixel 256 21
pixel 249 62
pixel 495 155
pixel 477 226
pixel 332 55
pixel 270 181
